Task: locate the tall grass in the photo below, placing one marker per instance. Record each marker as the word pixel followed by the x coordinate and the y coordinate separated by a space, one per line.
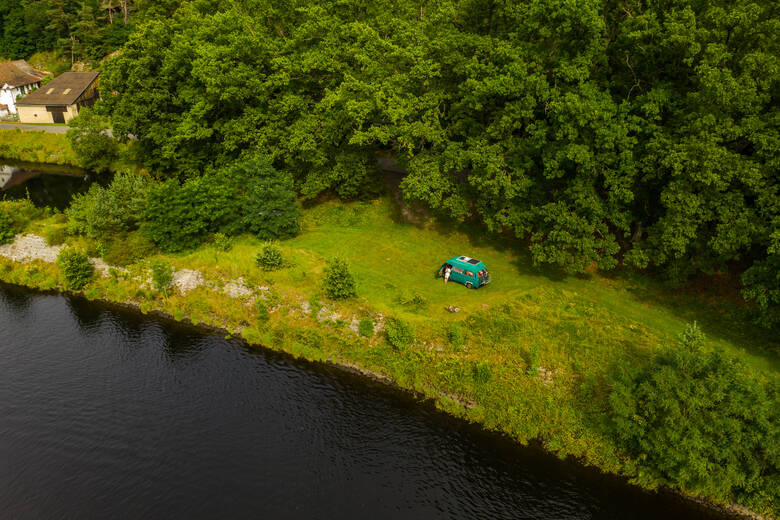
pixel 44 147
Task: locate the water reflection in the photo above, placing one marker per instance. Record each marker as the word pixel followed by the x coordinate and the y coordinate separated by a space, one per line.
pixel 45 184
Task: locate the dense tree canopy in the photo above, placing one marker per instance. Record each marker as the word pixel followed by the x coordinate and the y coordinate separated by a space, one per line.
pixel 599 132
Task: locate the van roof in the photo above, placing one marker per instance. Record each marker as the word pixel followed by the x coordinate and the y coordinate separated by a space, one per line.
pixel 466 262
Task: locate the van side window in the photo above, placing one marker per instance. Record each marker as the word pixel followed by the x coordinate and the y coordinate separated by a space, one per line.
pixel 456 269
pixel 469 273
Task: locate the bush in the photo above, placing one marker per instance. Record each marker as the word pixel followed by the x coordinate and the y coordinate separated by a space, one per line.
pixel 7 232
pixel 339 283
pixel 162 276
pixel 481 372
pixel 55 235
pixel 270 258
pixel 700 422
pixel 271 204
pixel 399 334
pixel 262 312
pixel 94 149
pixel 180 216
pixel 76 268
pixel 117 208
pixel 222 242
pixel 127 249
pixel 366 327
pixel 455 336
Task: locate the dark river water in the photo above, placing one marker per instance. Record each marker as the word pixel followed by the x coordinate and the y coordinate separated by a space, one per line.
pixel 45 184
pixel 105 413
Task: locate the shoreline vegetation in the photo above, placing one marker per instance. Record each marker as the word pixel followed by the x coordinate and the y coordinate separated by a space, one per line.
pixel 36 146
pixel 529 355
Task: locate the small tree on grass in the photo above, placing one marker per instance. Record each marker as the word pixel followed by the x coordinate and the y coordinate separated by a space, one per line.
pixel 339 283
pixel 6 228
pixel 162 276
pixel 399 334
pixel 270 258
pixel 76 268
pixel 700 422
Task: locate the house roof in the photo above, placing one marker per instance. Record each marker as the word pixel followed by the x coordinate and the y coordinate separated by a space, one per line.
pixel 62 90
pixel 17 74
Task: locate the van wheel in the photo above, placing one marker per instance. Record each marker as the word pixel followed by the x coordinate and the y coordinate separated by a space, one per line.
pixel 468 284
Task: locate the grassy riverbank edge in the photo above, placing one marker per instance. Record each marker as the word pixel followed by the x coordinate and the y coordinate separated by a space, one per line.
pixel 36 146
pixel 303 335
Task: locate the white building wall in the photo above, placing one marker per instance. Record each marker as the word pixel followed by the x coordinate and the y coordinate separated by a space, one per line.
pixel 8 95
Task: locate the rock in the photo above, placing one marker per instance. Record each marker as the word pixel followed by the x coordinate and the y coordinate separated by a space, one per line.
pixel 187 280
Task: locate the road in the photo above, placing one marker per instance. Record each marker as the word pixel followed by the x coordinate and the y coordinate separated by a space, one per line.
pixel 34 128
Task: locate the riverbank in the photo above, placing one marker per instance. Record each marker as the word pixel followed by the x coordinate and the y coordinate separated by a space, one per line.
pixel 37 146
pixel 477 363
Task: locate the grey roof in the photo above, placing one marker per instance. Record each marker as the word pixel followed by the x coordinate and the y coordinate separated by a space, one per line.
pixel 62 90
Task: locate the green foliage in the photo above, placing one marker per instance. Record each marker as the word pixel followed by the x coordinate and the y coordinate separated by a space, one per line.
pixel 271 206
pixel 533 361
pixel 481 372
pixel 7 232
pixel 162 276
pixel 126 249
pixel 399 333
pixel 455 336
pixel 94 148
pixel 54 235
pixel 106 211
pixel 762 285
pixel 261 313
pixel 222 242
pixel 76 268
pixel 339 283
pixel 366 327
pixel 698 420
pixel 270 258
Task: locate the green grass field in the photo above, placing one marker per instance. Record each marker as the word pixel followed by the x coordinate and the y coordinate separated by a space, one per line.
pixel 530 354
pixel 43 147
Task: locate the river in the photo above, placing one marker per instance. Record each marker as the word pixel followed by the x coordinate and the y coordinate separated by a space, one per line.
pixel 106 413
pixel 45 184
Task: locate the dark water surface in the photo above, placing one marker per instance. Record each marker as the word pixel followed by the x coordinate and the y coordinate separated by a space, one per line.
pixel 46 184
pixel 105 413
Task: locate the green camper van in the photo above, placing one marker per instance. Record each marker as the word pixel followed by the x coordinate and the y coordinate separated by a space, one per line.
pixel 469 271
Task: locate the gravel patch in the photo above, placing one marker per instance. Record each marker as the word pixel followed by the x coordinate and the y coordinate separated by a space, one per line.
pixel 30 247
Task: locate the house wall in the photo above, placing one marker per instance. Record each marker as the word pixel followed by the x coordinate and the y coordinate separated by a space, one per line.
pixel 8 95
pixel 34 114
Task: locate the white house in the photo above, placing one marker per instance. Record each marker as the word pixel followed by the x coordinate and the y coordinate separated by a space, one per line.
pixel 16 79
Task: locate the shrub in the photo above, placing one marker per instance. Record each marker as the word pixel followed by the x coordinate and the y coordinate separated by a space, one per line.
pixel 76 268
pixel 6 228
pixel 481 372
pixel 339 283
pixel 127 249
pixel 366 327
pixel 399 334
pixel 270 258
pixel 412 300
pixel 117 208
pixel 162 276
pixel 700 422
pixel 262 311
pixel 315 305
pixel 271 206
pixel 222 242
pixel 180 216
pixel 55 235
pixel 455 336
pixel 94 148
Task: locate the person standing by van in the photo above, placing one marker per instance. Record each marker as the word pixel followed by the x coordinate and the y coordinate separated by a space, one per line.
pixel 447 271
